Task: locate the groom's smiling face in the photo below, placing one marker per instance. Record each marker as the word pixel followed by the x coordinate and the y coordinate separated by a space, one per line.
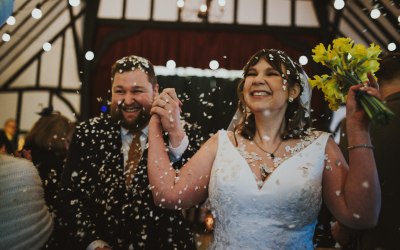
pixel 132 97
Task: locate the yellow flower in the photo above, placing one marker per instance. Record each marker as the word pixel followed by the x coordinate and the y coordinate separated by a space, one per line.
pixel 333 57
pixel 329 87
pixel 318 81
pixel 374 51
pixel 358 52
pixel 349 64
pixel 319 53
pixel 342 44
pixel 332 93
pixel 367 66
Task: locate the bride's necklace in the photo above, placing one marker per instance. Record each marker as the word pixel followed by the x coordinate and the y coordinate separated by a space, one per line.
pixel 253 157
pixel 272 154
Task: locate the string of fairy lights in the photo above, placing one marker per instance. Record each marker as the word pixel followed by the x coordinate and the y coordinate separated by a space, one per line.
pixel 36 13
pixel 374 13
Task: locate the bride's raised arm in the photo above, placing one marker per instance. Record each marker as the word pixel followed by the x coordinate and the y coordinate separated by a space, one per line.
pixel 178 189
pixel 353 196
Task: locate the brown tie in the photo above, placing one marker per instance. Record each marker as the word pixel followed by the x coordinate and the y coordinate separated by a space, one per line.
pixel 134 155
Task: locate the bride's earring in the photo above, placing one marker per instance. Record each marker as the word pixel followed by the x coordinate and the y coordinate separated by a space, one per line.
pixel 248 110
pixel 290 99
pixel 244 108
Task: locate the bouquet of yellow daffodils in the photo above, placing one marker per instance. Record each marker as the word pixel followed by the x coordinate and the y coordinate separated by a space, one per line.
pixel 349 64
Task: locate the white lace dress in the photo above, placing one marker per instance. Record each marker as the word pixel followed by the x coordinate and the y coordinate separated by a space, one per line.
pixel 282 214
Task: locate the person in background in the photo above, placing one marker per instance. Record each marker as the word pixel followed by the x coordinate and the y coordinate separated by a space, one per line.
pixel 3 148
pixel 25 221
pixel 8 138
pixel 46 144
pixel 106 196
pixel 266 179
pixel 386 234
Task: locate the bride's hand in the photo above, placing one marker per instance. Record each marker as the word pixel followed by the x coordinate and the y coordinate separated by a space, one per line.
pixel 155 119
pixel 355 114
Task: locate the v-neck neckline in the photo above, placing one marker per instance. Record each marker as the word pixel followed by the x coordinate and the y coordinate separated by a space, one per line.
pixel 260 188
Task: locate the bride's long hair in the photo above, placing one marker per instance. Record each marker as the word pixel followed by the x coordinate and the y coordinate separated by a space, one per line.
pixel 297 116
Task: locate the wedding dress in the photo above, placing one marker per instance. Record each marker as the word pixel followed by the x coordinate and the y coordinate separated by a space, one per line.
pixel 281 214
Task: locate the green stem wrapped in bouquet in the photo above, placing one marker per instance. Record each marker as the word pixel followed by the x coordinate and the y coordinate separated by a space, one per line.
pixel 349 64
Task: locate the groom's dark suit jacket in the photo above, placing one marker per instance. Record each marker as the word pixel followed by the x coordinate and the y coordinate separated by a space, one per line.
pixel 96 204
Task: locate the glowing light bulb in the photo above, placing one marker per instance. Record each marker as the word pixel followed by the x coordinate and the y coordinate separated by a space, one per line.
pixel 47 46
pixel 36 13
pixel 214 64
pixel 171 64
pixel 391 46
pixel 89 55
pixel 203 8
pixel 338 4
pixel 74 3
pixel 221 3
pixel 375 13
pixel 10 20
pixel 180 3
pixel 6 37
pixel 303 60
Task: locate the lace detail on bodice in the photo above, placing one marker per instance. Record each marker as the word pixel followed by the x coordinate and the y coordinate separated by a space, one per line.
pixel 281 214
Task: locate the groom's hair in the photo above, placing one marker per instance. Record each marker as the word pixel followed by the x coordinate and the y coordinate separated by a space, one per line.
pixel 131 63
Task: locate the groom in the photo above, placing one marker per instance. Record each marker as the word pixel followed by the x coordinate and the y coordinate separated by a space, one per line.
pixel 106 195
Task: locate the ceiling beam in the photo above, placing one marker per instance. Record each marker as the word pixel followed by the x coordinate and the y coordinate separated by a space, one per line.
pixel 376 23
pixel 321 10
pixel 90 29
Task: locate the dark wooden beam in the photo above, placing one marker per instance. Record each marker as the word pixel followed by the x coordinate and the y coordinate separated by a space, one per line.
pixel 376 23
pixel 77 43
pixel 264 13
pixel 356 29
pixel 221 27
pixel 293 13
pixel 235 11
pixel 362 23
pixel 90 28
pixel 388 14
pixel 62 53
pixel 336 22
pixel 321 10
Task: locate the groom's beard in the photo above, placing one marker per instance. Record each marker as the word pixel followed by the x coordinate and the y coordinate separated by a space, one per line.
pixel 140 122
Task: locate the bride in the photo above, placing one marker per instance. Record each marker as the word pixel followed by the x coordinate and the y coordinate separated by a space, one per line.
pixel 266 179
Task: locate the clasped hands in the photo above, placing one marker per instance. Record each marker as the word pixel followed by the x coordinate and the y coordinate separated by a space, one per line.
pixel 166 110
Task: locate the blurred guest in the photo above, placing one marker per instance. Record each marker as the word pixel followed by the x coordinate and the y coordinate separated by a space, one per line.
pixel 2 148
pixel 25 221
pixel 386 235
pixel 47 144
pixel 8 139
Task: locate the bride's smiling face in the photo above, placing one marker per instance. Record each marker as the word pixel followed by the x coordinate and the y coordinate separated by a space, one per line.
pixel 263 88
